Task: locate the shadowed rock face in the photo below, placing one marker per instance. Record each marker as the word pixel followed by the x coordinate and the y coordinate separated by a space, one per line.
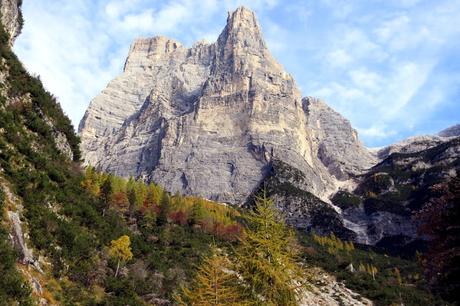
pixel 208 120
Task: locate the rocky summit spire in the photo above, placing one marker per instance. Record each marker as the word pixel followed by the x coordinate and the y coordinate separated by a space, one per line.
pixel 242 29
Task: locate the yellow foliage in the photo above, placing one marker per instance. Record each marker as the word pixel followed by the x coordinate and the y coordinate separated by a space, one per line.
pixel 121 249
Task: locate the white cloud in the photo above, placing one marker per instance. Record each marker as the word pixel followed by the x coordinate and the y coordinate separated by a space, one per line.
pixel 376 132
pixel 138 21
pixel 339 58
pixel 366 79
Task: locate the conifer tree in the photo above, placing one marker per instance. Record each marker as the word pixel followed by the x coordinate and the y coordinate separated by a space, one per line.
pixel 197 213
pixel 106 193
pixel 164 209
pixel 90 181
pixel 216 283
pixel 131 200
pixel 268 258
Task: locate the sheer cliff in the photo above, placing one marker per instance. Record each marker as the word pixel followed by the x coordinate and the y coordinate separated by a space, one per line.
pixel 208 120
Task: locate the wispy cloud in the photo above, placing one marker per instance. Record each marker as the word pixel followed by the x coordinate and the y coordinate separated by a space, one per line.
pixel 391 67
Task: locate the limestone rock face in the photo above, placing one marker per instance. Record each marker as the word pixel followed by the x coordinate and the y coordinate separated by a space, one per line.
pixel 208 120
pixel 336 142
pixel 420 143
pixel 11 17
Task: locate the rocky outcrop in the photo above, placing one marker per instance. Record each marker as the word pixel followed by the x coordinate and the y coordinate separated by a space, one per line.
pixel 336 141
pixel 453 131
pixel 326 290
pixel 411 145
pixel 18 239
pixel 382 207
pixel 420 143
pixel 60 139
pixel 11 17
pixel 209 120
pixel 17 233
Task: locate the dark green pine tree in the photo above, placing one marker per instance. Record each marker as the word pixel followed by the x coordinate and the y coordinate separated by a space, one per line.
pixel 106 193
pixel 164 209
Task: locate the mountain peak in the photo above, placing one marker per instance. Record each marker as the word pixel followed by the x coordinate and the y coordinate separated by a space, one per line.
pixel 242 29
pixel 145 50
pixel 243 15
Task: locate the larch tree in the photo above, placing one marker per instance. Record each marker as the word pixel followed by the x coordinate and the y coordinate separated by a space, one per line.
pixel 216 283
pixel 120 250
pixel 268 259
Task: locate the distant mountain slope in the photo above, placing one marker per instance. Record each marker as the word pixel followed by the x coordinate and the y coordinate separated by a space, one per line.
pixel 388 196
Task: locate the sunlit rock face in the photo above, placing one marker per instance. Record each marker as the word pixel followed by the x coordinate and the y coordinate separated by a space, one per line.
pixel 11 18
pixel 208 120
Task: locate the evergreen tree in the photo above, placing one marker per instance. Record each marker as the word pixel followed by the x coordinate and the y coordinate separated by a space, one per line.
pixel 106 193
pixel 91 182
pixel 216 283
pixel 132 201
pixel 268 258
pixel 164 209
pixel 197 213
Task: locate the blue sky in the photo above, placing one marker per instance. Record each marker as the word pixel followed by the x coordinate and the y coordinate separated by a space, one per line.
pixel 392 67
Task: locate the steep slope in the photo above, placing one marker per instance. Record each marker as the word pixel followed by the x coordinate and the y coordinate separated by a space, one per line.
pixel 208 120
pixel 389 195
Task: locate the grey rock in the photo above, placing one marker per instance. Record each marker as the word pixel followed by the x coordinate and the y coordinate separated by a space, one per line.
pixel 452 131
pixel 36 286
pixel 18 239
pixel 208 120
pixel 420 143
pixel 60 139
pixel 411 145
pixel 11 18
pixel 338 145
pixel 324 289
pixel 26 254
pixel 390 192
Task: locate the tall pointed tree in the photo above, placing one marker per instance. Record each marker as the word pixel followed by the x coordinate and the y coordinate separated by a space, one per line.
pixel 268 257
pixel 216 283
pixel 106 193
pixel 164 209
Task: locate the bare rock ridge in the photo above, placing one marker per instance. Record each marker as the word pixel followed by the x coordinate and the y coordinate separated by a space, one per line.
pixel 208 120
pixel 11 17
pixel 420 143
